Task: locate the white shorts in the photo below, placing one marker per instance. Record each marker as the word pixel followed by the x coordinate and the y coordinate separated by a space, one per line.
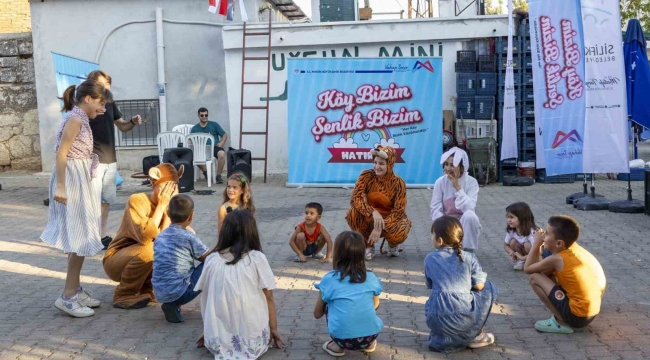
pixel 106 182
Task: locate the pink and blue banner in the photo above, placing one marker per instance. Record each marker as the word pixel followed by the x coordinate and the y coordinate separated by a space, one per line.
pixel 340 109
pixel 559 76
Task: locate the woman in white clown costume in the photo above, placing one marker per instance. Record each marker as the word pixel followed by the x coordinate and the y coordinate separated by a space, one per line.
pixel 456 194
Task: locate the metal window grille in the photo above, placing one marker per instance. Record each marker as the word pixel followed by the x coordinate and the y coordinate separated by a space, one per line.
pixel 144 135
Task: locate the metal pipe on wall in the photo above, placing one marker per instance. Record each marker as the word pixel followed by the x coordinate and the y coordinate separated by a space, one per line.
pixel 160 52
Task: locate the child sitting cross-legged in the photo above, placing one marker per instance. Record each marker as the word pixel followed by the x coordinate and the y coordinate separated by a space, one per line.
pixel 349 297
pixel 570 282
pixel 175 249
pixel 309 237
pixel 519 233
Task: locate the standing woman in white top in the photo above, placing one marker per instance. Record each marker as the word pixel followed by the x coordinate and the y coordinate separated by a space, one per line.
pixel 237 304
pixel 74 213
pixel 456 194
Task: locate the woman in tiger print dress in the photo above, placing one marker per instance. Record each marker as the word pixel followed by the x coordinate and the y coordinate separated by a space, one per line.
pixel 378 204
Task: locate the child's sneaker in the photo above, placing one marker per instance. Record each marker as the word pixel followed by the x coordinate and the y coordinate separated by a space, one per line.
pixel 551 326
pixel 393 252
pixel 72 307
pixel 370 253
pixel 318 255
pixel 172 313
pixel 519 265
pixel 85 299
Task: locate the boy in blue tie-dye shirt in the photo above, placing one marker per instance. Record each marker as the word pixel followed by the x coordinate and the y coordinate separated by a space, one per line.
pixel 175 249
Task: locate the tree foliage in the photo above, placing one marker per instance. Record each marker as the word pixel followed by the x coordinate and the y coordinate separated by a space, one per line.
pixel 639 9
pixel 491 8
pixel 520 4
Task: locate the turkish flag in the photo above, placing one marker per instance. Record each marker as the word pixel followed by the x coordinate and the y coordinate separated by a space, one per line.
pixel 212 6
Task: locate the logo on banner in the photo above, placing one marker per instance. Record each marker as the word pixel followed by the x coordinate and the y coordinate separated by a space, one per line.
pixel 423 65
pixel 561 137
pixel 347 151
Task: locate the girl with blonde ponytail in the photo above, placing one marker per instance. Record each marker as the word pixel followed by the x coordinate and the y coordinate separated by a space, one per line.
pixel 461 297
pixel 74 211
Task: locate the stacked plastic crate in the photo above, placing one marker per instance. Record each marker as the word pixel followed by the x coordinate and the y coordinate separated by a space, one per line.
pixel 508 168
pixel 475 106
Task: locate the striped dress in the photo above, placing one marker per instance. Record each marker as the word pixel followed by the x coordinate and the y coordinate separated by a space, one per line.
pixel 75 227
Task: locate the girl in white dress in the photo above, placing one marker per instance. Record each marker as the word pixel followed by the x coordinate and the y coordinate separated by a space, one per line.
pixel 237 305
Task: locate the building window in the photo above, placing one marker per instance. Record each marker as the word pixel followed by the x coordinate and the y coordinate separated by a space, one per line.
pixel 144 135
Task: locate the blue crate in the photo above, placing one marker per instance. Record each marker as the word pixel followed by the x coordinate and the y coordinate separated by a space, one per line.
pixel 516 78
pixel 529 110
pixel 487 63
pixel 527 62
pixel 486 83
pixel 527 78
pixel 465 55
pixel 502 46
pixel 528 126
pixel 557 179
pixel 466 83
pixel 636 174
pixel 525 46
pixel 465 107
pixel 502 63
pixel 508 173
pixel 581 177
pixel 528 94
pixel 528 143
pixel 461 67
pixel 509 162
pixel 484 107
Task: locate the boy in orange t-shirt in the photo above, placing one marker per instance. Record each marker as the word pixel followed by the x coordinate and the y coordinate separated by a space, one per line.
pixel 309 237
pixel 574 296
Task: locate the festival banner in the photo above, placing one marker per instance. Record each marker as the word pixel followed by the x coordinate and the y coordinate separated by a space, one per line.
pixel 606 126
pixel 558 76
pixel 509 136
pixel 340 109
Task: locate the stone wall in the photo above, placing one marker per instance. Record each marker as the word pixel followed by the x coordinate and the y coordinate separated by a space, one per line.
pixel 15 16
pixel 20 147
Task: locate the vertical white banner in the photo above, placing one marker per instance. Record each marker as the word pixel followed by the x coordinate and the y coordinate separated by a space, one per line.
pixel 606 137
pixel 509 140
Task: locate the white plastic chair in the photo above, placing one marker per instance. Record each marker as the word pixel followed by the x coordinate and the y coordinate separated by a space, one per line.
pixel 167 140
pixel 203 153
pixel 183 128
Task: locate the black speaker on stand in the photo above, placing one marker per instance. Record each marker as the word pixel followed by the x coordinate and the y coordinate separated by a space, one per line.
pixel 182 156
pixel 240 160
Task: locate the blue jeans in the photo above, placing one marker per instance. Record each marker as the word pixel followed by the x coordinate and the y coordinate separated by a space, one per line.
pixel 190 294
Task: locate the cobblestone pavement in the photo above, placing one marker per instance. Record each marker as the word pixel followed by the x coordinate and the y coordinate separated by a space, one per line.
pixel 32 273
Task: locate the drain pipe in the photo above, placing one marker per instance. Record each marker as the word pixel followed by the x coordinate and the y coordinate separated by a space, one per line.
pixel 160 51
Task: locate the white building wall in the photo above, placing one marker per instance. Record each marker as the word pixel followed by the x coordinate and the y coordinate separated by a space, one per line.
pixel 392 38
pixel 194 59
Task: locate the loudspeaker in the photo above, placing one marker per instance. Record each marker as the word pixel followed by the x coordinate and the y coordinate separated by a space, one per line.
pixel 182 156
pixel 239 160
pixel 148 162
pixel 647 191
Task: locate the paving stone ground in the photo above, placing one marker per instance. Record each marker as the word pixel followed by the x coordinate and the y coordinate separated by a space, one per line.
pixel 32 273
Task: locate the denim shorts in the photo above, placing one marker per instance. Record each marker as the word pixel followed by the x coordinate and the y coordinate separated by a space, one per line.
pixel 310 249
pixel 106 182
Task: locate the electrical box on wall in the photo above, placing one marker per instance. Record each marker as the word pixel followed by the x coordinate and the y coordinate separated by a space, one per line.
pixel 338 10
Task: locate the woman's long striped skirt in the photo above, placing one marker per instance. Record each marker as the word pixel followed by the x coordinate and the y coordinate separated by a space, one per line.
pixel 75 227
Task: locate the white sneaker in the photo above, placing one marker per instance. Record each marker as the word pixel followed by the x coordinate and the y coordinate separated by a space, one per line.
pixel 519 265
pixel 85 299
pixel 73 308
pixel 318 255
pixel 393 252
pixel 370 253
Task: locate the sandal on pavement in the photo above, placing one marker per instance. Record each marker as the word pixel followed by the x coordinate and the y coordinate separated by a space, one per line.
pixel 552 326
pixel 297 259
pixel 371 348
pixel 483 339
pixel 332 352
